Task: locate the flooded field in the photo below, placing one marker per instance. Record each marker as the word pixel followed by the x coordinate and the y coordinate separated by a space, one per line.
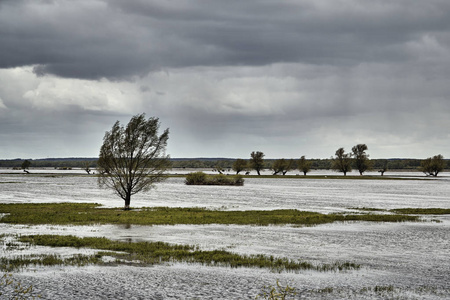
pixel 398 260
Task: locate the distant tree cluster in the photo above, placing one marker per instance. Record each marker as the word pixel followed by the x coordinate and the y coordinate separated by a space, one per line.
pixel 341 162
pixel 203 163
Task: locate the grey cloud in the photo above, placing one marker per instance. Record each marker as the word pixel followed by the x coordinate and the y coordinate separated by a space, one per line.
pixel 121 39
pixel 284 77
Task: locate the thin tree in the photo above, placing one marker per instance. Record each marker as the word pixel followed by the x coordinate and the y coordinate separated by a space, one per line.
pixel 282 166
pixel 303 165
pixel 257 161
pixel 25 166
pixel 432 166
pixel 239 165
pixel 361 158
pixel 132 158
pixel 87 168
pixel 384 166
pixel 290 165
pixel 342 162
pixel 278 166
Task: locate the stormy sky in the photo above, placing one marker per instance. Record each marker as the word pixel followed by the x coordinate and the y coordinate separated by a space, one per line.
pixel 288 78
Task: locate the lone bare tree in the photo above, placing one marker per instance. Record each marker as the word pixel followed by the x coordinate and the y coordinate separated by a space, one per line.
pixel 342 162
pixel 384 166
pixel 132 158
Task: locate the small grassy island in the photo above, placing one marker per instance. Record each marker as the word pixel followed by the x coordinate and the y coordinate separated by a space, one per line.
pixel 200 178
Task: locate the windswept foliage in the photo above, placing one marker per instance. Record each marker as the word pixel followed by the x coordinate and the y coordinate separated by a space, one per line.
pixel 361 158
pixel 132 159
pixel 282 166
pixel 303 165
pixel 240 165
pixel 257 161
pixel 432 166
pixel 342 162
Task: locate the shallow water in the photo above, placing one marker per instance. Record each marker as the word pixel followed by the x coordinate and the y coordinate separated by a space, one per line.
pixel 412 258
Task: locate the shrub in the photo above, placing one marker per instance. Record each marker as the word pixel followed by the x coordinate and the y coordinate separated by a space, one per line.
pixel 195 178
pixel 200 178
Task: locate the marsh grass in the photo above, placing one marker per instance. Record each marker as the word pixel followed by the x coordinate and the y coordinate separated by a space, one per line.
pixel 19 262
pixel 88 214
pixel 158 252
pixel 408 211
pixel 422 211
pixel 10 288
pixel 379 292
pixel 338 177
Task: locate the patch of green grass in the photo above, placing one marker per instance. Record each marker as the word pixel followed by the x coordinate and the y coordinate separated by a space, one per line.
pixel 157 252
pixel 88 214
pixel 19 262
pixel 422 211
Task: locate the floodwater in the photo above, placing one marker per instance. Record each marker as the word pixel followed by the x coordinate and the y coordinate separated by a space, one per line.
pixel 399 260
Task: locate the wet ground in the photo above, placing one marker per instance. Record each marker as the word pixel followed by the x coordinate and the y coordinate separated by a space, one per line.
pixel 399 260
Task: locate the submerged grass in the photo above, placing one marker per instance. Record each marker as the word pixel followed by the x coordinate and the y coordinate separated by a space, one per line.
pixel 88 214
pixel 19 262
pixel 422 211
pixel 157 252
pixel 409 211
pixel 340 177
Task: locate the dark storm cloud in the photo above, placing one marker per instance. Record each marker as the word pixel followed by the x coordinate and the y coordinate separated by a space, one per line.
pixel 279 76
pixel 119 39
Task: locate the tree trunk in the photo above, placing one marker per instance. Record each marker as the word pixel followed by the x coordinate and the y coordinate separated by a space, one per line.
pixel 258 172
pixel 345 173
pixel 127 201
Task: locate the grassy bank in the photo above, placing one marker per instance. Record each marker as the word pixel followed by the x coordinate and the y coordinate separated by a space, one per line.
pixel 88 214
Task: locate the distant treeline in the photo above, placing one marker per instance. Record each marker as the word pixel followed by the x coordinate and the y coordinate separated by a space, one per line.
pixel 204 163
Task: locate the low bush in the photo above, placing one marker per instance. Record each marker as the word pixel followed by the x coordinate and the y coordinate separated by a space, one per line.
pixel 195 178
pixel 200 178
